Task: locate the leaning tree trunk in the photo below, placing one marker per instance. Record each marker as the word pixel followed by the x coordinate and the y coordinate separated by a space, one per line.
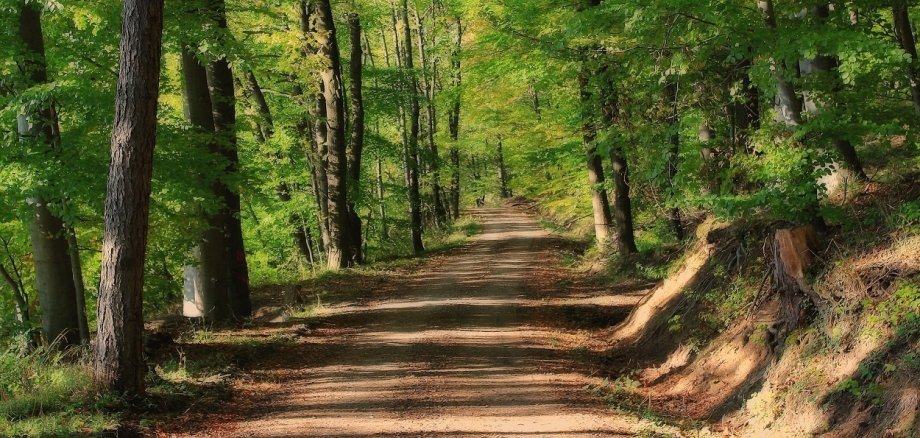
pixel 903 28
pixel 412 167
pixel 118 361
pixel 336 159
pixel 622 205
pixel 356 142
pixel 600 205
pixel 207 282
pixel 53 272
pixel 453 118
pixel 223 102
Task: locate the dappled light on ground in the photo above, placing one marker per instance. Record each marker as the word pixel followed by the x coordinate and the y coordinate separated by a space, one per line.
pixel 477 343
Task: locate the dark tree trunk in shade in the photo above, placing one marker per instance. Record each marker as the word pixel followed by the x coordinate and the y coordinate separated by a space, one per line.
pixel 412 167
pixel 453 120
pixel 622 203
pixel 223 102
pixel 207 281
pixel 600 205
pixel 672 94
pixel 356 142
pixel 53 272
pixel 327 46
pixel 502 172
pixel 118 360
pixel 79 287
pixel 902 25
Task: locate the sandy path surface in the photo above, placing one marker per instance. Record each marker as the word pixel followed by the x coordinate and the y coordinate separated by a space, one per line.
pixel 472 345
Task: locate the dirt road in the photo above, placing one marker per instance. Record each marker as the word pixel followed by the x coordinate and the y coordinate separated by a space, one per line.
pixel 477 343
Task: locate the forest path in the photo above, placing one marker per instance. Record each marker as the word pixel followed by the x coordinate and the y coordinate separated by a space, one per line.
pixel 475 343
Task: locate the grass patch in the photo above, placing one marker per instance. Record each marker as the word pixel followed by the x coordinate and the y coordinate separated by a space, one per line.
pixel 48 393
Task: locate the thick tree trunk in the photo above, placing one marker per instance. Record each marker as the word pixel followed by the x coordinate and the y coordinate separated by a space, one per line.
pixel 53 273
pixel 207 283
pixel 600 205
pixel 744 115
pixel 454 120
pixel 223 102
pixel 902 26
pixel 118 351
pixel 412 167
pixel 356 142
pixel 502 173
pixel 622 205
pixel 671 94
pixel 337 251
pixel 79 287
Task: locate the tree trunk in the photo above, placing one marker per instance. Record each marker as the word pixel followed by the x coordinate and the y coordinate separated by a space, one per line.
pixel 428 79
pixel 789 112
pixel 223 103
pixel 502 173
pixel 412 167
pixel 337 251
pixel 902 26
pixel 622 205
pixel 674 216
pixel 53 273
pixel 384 230
pixel 207 282
pixel 79 287
pixel 118 354
pixel 824 66
pixel 600 205
pixel 454 122
pixel 356 142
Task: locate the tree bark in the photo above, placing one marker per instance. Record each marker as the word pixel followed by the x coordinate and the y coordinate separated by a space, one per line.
pixel 672 95
pixel 381 204
pixel 412 167
pixel 622 205
pixel 118 352
pixel 428 79
pixel 356 142
pixel 223 103
pixel 454 121
pixel 336 159
pixel 79 287
pixel 600 205
pixel 53 273
pixel 824 65
pixel 902 26
pixel 502 173
pixel 207 282
pixel 789 111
